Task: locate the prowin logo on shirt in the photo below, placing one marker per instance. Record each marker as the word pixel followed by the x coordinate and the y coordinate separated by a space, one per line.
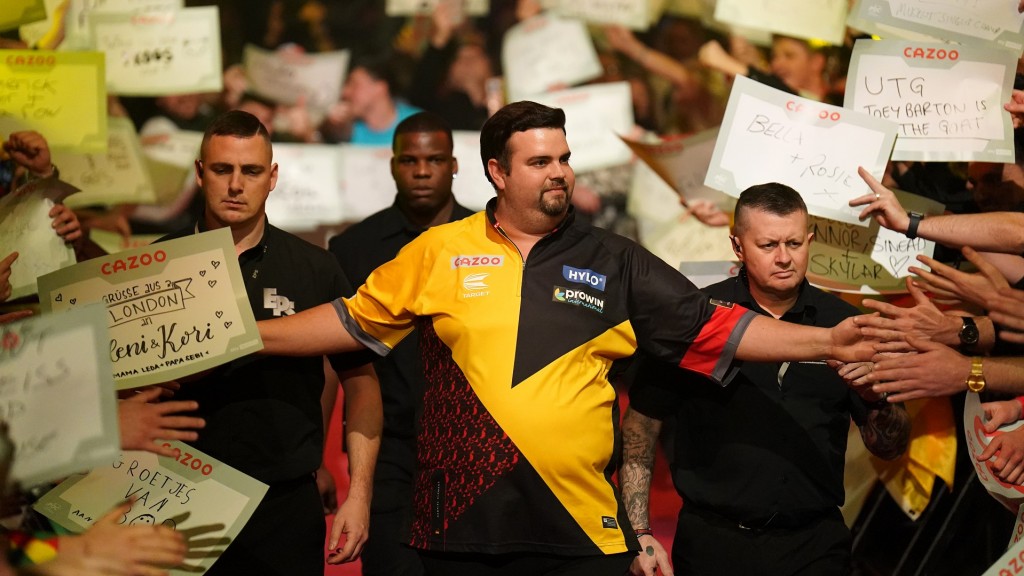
pixel 578 298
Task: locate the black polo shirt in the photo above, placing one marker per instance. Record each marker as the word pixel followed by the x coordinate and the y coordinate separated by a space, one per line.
pixel 757 447
pixel 263 413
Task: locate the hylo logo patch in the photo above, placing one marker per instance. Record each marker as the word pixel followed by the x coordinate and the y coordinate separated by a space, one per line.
pixel 585 276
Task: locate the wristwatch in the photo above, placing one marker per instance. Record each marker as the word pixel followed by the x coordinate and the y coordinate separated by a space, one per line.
pixel 968 334
pixel 976 380
pixel 915 220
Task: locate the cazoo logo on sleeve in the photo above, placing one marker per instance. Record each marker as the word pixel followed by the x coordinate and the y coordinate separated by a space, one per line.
pixel 481 260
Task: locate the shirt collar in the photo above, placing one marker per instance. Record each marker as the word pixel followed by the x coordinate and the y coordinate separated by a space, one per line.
pixel 804 303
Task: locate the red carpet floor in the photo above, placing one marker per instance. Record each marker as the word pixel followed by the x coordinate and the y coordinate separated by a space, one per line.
pixel 665 502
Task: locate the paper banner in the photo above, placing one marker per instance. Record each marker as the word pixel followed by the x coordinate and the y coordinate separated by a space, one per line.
pixel 595 116
pixel 821 19
pixel 635 14
pixel 686 240
pixel 867 260
pixel 366 182
pixel 112 242
pixel 192 491
pixel 772 136
pixel 60 95
pixel 946 100
pixel 308 190
pixel 57 396
pixel 25 228
pixel 1013 560
pixel 471 187
pixel 972 23
pixel 118 177
pixel 704 274
pixel 413 7
pixel 651 199
pixel 682 163
pixel 14 13
pixel 547 53
pixel 284 77
pixel 159 53
pixel 173 309
pixel 1010 495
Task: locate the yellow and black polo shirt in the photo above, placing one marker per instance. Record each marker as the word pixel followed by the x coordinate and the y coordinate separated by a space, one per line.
pixel 520 423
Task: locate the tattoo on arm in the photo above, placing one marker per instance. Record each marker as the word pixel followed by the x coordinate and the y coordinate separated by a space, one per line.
pixel 886 433
pixel 639 438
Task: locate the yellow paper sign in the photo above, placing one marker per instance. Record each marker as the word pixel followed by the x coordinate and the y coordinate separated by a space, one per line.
pixel 14 13
pixel 61 95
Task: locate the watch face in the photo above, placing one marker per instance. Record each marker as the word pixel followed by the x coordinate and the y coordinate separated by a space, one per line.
pixel 969 334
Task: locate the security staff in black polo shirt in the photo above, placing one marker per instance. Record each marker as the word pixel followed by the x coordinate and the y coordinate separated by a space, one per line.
pixel 263 412
pixel 759 462
pixel 423 168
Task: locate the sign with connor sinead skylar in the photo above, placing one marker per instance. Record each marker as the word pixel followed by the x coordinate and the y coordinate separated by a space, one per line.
pixel 173 308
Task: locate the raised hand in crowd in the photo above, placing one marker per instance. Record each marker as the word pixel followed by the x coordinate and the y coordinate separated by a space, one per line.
pixel 923 320
pixel 1007 310
pixel 978 288
pixel 30 151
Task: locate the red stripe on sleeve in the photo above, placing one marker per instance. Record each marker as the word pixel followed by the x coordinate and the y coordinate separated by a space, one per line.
pixel 704 353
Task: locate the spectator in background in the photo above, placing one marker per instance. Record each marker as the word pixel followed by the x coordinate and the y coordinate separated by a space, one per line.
pixel 369 109
pixel 796 66
pixel 452 74
pixel 423 168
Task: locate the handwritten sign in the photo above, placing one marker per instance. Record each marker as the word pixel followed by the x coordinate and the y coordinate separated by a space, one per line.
pixel 547 53
pixel 704 274
pixel 650 198
pixel 170 160
pixel 14 13
pixel 822 19
pixel 1010 495
pixel 76 20
pixel 284 77
pixel 682 163
pixel 57 396
pixel 366 182
pixel 686 239
pixel 157 53
pixel 412 7
pixel 25 228
pixel 194 489
pixel 945 99
pixel 635 14
pixel 772 136
pixel 1012 562
pixel 308 191
pixel 174 308
pixel 595 116
pixel 112 242
pixel 59 94
pixel 871 260
pixel 471 188
pixel 118 177
pixel 968 22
